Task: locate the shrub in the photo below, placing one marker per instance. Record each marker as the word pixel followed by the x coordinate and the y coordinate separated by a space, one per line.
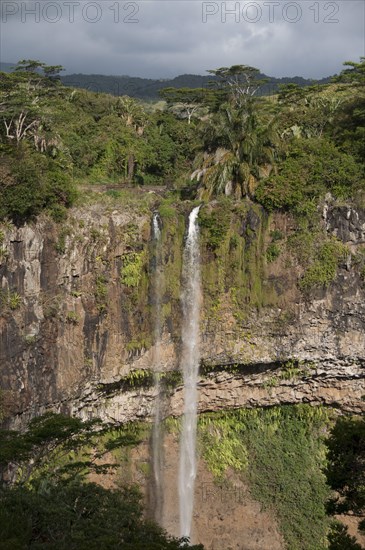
pixel 324 268
pixel 272 252
pixel 312 167
pixel 131 272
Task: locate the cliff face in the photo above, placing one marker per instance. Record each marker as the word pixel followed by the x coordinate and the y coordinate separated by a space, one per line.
pixel 77 314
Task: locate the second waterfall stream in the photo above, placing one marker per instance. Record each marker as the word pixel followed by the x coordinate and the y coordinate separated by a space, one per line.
pixel 191 303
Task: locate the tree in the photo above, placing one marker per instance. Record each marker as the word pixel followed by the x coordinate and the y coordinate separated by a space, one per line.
pixel 237 150
pixel 29 65
pixel 349 132
pixel 311 168
pixel 346 465
pixel 35 66
pixel 354 74
pixel 24 96
pixel 48 505
pixel 339 539
pixel 345 474
pixel 52 71
pixel 52 443
pixel 79 517
pixel 238 83
pixel 185 102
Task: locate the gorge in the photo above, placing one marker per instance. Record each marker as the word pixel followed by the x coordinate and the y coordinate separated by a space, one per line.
pixel 91 311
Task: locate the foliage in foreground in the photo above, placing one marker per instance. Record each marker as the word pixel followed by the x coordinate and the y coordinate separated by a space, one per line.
pixel 78 516
pixel 346 466
pixel 50 505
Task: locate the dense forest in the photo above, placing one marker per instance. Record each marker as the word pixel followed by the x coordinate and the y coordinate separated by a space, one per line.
pixel 226 142
pixel 284 151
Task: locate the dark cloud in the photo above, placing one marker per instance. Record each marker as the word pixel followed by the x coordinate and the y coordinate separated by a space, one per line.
pixel 163 38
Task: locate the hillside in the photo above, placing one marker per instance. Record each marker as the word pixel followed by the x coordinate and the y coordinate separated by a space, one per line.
pixel 148 89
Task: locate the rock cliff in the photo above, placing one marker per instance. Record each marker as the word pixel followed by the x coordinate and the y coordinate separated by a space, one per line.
pixel 77 313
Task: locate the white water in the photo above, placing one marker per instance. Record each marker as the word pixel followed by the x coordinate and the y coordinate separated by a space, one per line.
pixel 191 298
pixel 157 455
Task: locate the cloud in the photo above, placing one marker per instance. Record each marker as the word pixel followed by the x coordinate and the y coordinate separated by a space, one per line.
pixel 164 38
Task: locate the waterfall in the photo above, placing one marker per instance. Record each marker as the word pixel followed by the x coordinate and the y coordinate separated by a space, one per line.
pixel 191 297
pixel 157 455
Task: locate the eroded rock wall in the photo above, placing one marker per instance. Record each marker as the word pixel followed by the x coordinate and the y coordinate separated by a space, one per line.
pixel 77 314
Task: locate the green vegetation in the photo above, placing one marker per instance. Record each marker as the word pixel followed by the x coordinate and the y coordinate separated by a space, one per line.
pixel 216 223
pixel 312 167
pixel 143 378
pixel 272 252
pixel 281 452
pixel 131 272
pixel 138 378
pixel 345 471
pixel 222 447
pixel 323 268
pixel 10 300
pixel 50 503
pixel 61 242
pixel 14 300
pixel 72 318
pixel 345 475
pixel 101 293
pixel 285 152
pixel 52 138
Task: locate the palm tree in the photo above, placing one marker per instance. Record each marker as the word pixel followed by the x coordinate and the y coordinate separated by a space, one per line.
pixel 238 150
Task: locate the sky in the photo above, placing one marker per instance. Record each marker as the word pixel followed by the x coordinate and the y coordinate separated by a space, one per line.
pixel 165 38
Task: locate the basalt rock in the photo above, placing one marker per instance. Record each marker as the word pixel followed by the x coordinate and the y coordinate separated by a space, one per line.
pixel 70 325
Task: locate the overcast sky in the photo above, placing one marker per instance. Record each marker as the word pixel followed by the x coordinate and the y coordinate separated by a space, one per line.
pixel 165 38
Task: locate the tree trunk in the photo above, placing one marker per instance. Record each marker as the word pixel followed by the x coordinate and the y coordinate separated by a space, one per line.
pixel 130 168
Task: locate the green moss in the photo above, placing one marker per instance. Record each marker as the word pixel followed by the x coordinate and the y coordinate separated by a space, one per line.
pixel 101 293
pixel 276 235
pixel 215 224
pixel 166 210
pixel 141 341
pixel 171 379
pixel 323 270
pixel 61 242
pixel 233 261
pixel 302 245
pixel 172 245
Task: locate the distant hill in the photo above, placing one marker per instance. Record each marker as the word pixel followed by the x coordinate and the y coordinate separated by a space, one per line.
pixel 146 88
pixel 7 67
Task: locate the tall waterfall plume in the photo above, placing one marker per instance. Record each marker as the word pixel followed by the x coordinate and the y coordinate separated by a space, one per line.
pixel 191 299
pixel 157 451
